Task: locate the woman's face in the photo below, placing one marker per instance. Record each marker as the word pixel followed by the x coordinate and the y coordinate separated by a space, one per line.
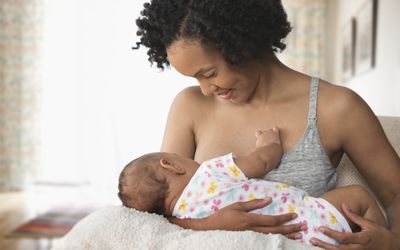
pixel 215 76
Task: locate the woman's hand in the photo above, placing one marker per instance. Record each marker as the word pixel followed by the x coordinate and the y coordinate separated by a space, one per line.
pixel 236 217
pixel 371 236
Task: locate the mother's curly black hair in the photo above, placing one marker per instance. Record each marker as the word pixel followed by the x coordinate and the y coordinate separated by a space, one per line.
pixel 241 30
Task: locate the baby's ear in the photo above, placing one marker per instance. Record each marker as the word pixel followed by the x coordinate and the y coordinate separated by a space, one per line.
pixel 169 165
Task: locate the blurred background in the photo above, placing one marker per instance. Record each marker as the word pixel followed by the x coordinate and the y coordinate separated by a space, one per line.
pixel 77 103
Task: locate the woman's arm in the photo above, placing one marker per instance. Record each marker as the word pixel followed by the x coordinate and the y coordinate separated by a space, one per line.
pixel 365 142
pixel 370 151
pixel 236 217
pixel 179 130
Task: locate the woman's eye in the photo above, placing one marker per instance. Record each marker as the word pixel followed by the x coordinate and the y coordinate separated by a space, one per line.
pixel 209 74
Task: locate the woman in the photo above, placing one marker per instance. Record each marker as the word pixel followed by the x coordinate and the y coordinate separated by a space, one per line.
pixel 229 46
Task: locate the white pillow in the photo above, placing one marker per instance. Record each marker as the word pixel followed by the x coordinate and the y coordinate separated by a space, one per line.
pixel 116 227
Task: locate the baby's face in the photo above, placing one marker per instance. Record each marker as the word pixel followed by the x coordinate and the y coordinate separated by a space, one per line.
pixel 186 163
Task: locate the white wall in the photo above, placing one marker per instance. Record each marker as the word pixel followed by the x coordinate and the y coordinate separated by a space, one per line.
pixel 102 103
pixel 379 87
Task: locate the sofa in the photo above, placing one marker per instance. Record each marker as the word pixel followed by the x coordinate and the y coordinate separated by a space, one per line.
pixel 117 227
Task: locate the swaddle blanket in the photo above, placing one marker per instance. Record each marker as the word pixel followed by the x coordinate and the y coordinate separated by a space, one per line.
pixel 116 227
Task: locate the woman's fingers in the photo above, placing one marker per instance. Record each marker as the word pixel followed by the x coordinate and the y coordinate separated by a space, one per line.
pixel 362 222
pixel 275 220
pixel 240 212
pixel 345 238
pixel 284 229
pixel 263 220
pixel 274 224
pixel 268 223
pixel 294 236
pixel 338 236
pixel 248 206
pixel 326 246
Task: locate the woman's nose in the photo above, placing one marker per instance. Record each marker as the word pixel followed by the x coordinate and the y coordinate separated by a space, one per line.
pixel 208 89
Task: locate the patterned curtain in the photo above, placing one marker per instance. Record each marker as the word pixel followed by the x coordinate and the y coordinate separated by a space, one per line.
pixel 20 26
pixel 305 50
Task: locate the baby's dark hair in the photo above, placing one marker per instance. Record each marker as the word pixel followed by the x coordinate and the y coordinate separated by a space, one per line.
pixel 241 30
pixel 142 186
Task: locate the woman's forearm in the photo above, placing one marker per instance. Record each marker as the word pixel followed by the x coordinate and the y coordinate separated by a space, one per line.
pixel 393 215
pixel 236 217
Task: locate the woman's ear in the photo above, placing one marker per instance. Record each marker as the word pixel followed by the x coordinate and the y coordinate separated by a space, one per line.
pixel 169 165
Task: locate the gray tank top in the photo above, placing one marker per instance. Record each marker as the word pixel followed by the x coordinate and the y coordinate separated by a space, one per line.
pixel 307 165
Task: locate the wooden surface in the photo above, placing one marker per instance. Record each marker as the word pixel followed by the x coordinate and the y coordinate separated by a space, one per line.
pixel 17 208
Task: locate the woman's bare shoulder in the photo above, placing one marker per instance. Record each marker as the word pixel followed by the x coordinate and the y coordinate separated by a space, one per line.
pixel 190 94
pixel 334 91
pixel 339 100
pixel 344 116
pixel 191 99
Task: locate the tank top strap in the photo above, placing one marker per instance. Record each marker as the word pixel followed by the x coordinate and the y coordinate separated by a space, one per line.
pixel 312 107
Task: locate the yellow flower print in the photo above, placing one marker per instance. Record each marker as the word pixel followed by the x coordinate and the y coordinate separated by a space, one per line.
pixel 252 197
pixel 285 186
pixel 277 186
pixel 212 188
pixel 183 206
pixel 234 170
pixel 291 208
pixel 333 218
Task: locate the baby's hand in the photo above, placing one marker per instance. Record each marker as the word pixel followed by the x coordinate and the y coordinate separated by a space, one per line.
pixel 265 137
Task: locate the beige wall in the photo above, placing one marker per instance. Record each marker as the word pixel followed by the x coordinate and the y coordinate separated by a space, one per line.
pixel 379 87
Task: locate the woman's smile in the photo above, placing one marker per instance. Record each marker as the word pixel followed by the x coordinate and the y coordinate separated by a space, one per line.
pixel 225 94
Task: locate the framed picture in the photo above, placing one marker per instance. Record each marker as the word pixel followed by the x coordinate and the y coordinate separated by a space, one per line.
pixel 348 45
pixel 365 36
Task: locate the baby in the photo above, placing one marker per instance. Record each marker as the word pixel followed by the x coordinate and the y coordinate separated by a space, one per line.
pixel 171 185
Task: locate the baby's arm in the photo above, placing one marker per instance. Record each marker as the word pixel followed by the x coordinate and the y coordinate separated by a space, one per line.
pixel 265 157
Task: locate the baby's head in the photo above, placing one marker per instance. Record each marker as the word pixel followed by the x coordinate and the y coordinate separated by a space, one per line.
pixel 142 186
pixel 154 181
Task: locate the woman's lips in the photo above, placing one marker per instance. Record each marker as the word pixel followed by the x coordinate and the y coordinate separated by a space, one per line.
pixel 226 95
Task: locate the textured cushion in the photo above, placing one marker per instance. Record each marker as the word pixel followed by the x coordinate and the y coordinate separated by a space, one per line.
pixel 121 228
